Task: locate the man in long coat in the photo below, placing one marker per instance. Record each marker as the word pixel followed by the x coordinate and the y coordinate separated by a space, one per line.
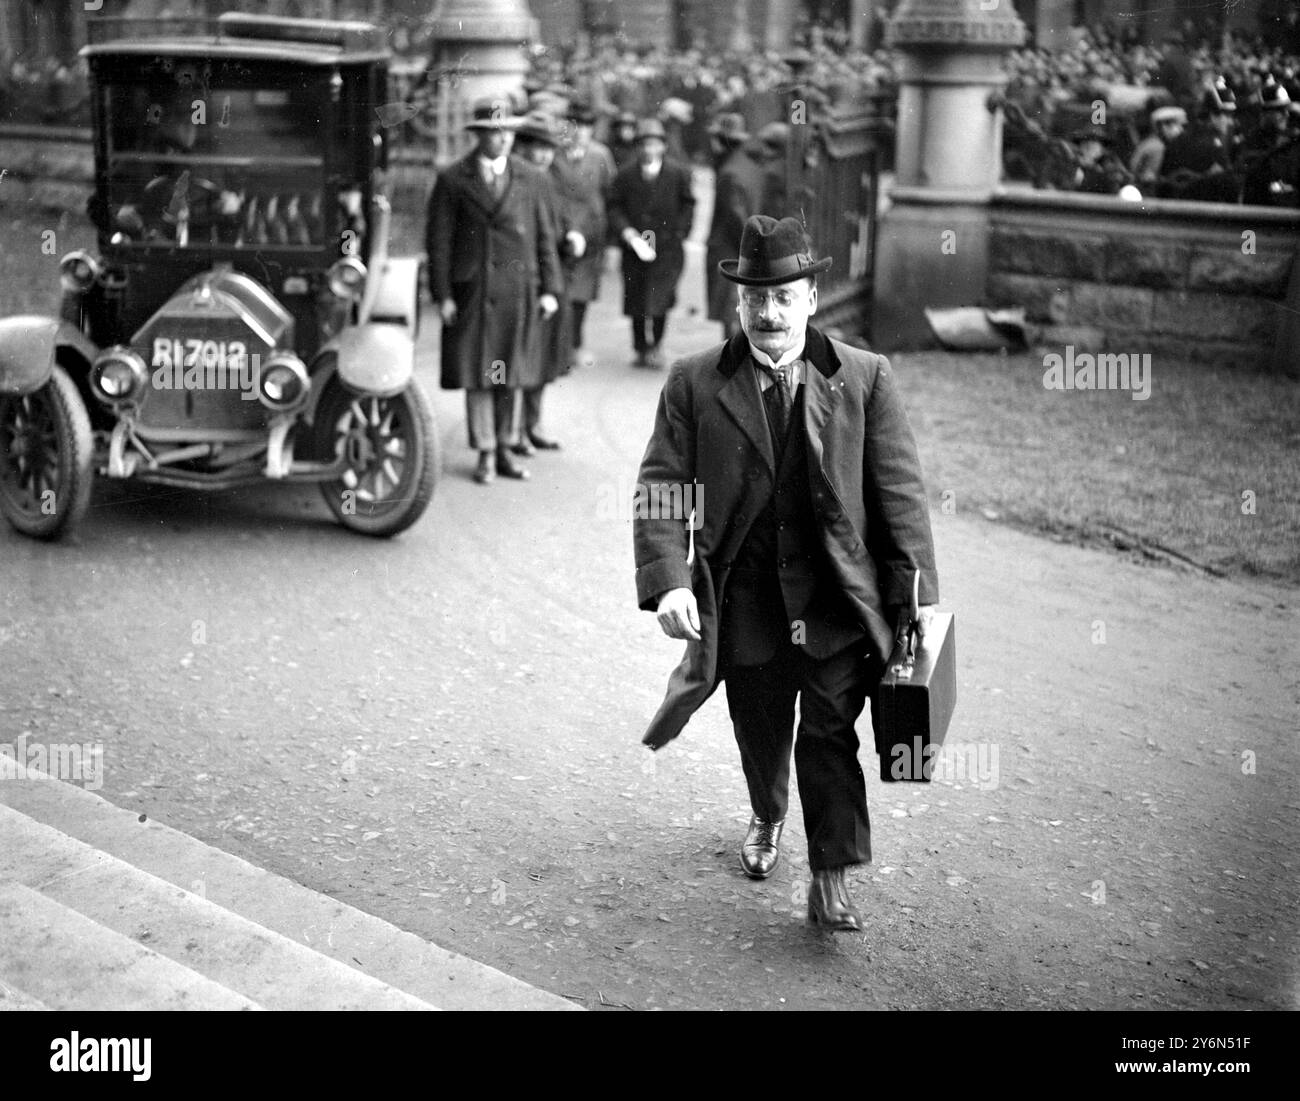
pixel 588 171
pixel 736 195
pixel 493 266
pixel 537 141
pixel 650 210
pixel 785 520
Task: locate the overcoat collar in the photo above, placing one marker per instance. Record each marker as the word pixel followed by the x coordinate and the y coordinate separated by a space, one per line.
pixel 740 398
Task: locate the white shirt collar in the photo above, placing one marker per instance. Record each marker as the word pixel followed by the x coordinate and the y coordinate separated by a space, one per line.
pixel 789 357
pixel 496 164
pixel 651 170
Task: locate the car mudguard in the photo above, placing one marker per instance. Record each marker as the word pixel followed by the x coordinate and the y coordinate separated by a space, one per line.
pixel 376 358
pixel 28 350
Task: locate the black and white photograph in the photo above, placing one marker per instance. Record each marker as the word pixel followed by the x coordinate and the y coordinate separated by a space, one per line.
pixel 675 505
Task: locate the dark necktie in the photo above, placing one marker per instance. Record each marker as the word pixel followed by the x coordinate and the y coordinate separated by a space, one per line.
pixel 778 400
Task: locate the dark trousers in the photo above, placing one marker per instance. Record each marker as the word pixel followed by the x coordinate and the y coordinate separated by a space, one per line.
pixel 832 789
pixel 532 410
pixel 579 316
pixel 640 341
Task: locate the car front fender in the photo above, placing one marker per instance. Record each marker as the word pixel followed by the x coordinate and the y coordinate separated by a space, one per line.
pixel 29 349
pixel 376 358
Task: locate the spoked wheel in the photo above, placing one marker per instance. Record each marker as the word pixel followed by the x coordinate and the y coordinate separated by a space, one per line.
pixel 391 448
pixel 46 453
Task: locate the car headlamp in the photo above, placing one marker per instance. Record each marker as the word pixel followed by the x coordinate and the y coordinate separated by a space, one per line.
pixel 78 271
pixel 119 376
pixel 347 277
pixel 284 383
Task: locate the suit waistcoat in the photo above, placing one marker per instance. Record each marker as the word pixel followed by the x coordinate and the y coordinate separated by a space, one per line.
pixel 780 586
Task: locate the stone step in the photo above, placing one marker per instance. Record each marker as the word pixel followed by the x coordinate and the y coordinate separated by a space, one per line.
pixel 270 969
pixel 97 968
pixel 357 939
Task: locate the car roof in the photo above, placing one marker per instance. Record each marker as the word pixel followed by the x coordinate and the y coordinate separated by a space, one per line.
pixel 240 37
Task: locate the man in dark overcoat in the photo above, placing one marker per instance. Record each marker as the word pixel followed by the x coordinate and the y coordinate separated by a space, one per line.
pixel 589 171
pixel 493 267
pixel 537 141
pixel 786 518
pixel 650 211
pixel 737 189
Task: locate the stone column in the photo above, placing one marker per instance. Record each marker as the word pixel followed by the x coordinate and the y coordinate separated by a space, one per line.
pixel 481 42
pixel 932 244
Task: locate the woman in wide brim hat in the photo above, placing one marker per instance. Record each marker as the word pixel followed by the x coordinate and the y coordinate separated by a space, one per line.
pixel 773 252
pixel 540 127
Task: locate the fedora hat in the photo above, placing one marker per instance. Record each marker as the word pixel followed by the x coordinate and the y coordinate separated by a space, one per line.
pixel 729 126
pixel 650 128
pixel 492 113
pixel 540 127
pixel 772 252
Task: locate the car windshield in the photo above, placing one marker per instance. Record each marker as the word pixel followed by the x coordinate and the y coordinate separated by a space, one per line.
pixel 197 158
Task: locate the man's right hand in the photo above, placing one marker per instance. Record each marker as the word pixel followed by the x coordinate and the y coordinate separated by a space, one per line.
pixel 448 310
pixel 679 615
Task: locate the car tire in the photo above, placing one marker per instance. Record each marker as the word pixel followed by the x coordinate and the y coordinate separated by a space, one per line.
pixel 379 496
pixel 45 446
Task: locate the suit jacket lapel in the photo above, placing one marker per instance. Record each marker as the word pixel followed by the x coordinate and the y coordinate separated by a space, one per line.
pixel 822 389
pixel 740 398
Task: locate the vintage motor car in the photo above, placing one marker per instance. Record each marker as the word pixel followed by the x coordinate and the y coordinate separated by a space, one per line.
pixel 242 320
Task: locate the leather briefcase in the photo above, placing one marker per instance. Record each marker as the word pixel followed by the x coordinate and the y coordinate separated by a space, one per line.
pixel 913 703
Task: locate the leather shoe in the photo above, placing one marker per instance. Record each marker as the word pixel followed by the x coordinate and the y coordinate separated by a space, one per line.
pixel 484 472
pixel 760 852
pixel 829 904
pixel 641 359
pixel 543 443
pixel 507 467
pixel 524 447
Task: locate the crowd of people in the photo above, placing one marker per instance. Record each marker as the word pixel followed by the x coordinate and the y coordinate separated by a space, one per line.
pixel 688 89
pixel 1186 119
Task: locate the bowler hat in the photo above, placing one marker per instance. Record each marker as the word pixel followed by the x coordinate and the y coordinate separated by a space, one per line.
pixel 772 252
pixel 540 127
pixel 729 126
pixel 582 112
pixel 492 113
pixel 650 128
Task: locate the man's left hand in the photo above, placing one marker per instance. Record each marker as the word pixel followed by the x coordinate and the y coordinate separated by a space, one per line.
pixel 924 617
pixel 548 304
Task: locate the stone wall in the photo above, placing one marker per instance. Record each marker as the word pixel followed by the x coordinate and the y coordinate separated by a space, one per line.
pixel 51 174
pixel 1201 281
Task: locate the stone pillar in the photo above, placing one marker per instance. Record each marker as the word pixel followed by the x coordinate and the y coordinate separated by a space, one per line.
pixel 741 42
pixel 481 41
pixel 862 18
pixel 932 244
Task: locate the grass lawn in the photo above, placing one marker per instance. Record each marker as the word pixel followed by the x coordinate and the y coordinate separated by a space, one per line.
pixel 1162 477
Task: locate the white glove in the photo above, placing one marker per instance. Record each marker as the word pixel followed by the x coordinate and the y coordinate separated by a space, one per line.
pixel 577 242
pixel 643 249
